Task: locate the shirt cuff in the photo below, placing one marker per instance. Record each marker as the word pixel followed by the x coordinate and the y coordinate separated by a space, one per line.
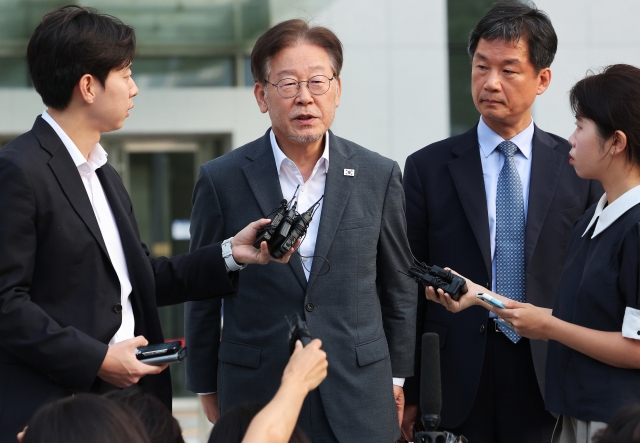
pixel 398 382
pixel 207 393
pixel 631 323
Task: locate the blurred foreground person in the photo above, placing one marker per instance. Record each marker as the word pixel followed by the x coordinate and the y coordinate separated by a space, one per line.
pixel 343 282
pixel 594 329
pixel 78 290
pixel 496 204
pixel 624 427
pixel 84 418
pixel 276 422
pixel 161 426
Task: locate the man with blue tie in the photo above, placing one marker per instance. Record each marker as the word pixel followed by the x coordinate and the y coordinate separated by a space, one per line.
pixel 495 204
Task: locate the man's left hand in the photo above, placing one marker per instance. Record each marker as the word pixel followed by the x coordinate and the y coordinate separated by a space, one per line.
pixel 244 252
pixel 398 395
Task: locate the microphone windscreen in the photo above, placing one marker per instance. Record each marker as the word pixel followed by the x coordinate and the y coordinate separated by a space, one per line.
pixel 430 389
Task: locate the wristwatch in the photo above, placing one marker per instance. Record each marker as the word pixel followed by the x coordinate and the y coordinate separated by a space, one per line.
pixel 227 254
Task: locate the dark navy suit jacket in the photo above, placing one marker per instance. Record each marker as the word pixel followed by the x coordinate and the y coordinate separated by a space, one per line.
pixel 447 225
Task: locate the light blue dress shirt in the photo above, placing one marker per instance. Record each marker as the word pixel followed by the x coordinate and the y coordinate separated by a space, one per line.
pixel 492 161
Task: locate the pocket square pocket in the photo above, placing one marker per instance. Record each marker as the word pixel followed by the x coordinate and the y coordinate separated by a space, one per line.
pixel 372 351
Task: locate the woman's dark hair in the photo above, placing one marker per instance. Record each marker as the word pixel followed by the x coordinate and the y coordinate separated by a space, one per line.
pixel 611 99
pixel 624 427
pixel 511 21
pixel 83 418
pixel 234 424
pixel 73 41
pixel 289 33
pixel 161 426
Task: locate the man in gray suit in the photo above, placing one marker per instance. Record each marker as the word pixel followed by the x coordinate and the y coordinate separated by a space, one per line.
pixel 344 281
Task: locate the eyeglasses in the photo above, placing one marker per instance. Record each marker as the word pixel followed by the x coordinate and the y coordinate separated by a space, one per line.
pixel 288 87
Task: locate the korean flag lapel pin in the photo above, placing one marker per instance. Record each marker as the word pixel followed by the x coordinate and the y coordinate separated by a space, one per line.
pixel 350 172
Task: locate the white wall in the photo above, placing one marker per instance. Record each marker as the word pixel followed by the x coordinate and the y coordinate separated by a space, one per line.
pixel 159 111
pixel 395 96
pixel 591 34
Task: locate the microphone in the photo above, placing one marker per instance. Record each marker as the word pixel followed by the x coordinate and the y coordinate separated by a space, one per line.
pixel 430 389
pixel 431 394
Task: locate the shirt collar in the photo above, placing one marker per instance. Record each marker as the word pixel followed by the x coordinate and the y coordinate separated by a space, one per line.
pixel 97 155
pixel 489 140
pixel 605 216
pixel 280 156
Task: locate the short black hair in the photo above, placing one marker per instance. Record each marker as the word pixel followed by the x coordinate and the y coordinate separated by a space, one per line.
pixel 611 100
pixel 83 418
pixel 623 427
pixel 161 426
pixel 73 41
pixel 511 21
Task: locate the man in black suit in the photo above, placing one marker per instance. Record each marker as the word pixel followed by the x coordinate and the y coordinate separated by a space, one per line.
pixel 78 290
pixel 492 382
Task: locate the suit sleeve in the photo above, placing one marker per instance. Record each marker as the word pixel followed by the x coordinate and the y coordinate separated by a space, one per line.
pixel 417 233
pixel 396 292
pixel 629 282
pixel 202 318
pixel 65 354
pixel 197 275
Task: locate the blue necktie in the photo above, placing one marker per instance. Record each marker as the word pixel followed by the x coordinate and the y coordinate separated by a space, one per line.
pixel 510 233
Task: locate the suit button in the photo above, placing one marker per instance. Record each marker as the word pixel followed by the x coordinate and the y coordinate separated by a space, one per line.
pixel 309 307
pixel 117 308
pixel 482 329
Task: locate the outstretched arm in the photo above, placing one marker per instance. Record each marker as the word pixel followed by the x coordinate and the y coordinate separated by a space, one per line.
pixel 304 372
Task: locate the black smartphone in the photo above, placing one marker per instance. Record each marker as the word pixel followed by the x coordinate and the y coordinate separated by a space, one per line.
pixel 162 353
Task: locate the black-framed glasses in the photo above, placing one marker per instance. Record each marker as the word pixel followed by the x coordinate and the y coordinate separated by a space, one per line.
pixel 288 87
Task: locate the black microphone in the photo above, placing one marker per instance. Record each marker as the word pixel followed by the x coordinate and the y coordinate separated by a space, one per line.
pixel 430 390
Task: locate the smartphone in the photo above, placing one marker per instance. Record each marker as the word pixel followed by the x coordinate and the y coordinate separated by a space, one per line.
pixel 504 323
pixel 490 300
pixel 162 353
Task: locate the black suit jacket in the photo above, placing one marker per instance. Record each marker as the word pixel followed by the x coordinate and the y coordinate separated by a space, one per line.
pixel 58 288
pixel 447 225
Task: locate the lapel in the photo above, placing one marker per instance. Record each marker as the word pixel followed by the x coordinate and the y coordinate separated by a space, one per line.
pixel 546 166
pixel 466 171
pixel 262 176
pixel 337 190
pixel 68 177
pixel 130 242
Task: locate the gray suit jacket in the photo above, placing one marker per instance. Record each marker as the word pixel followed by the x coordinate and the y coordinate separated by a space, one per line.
pixel 362 309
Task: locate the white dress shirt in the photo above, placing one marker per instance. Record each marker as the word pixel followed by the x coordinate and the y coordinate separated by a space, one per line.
pixel 492 161
pixel 604 216
pixel 309 193
pixel 106 222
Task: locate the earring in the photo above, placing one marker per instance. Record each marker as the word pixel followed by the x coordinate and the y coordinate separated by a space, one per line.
pixel 612 152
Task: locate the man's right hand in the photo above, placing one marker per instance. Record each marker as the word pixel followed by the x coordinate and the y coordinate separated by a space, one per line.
pixel 121 367
pixel 307 366
pixel 244 252
pixel 209 404
pixel 409 420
